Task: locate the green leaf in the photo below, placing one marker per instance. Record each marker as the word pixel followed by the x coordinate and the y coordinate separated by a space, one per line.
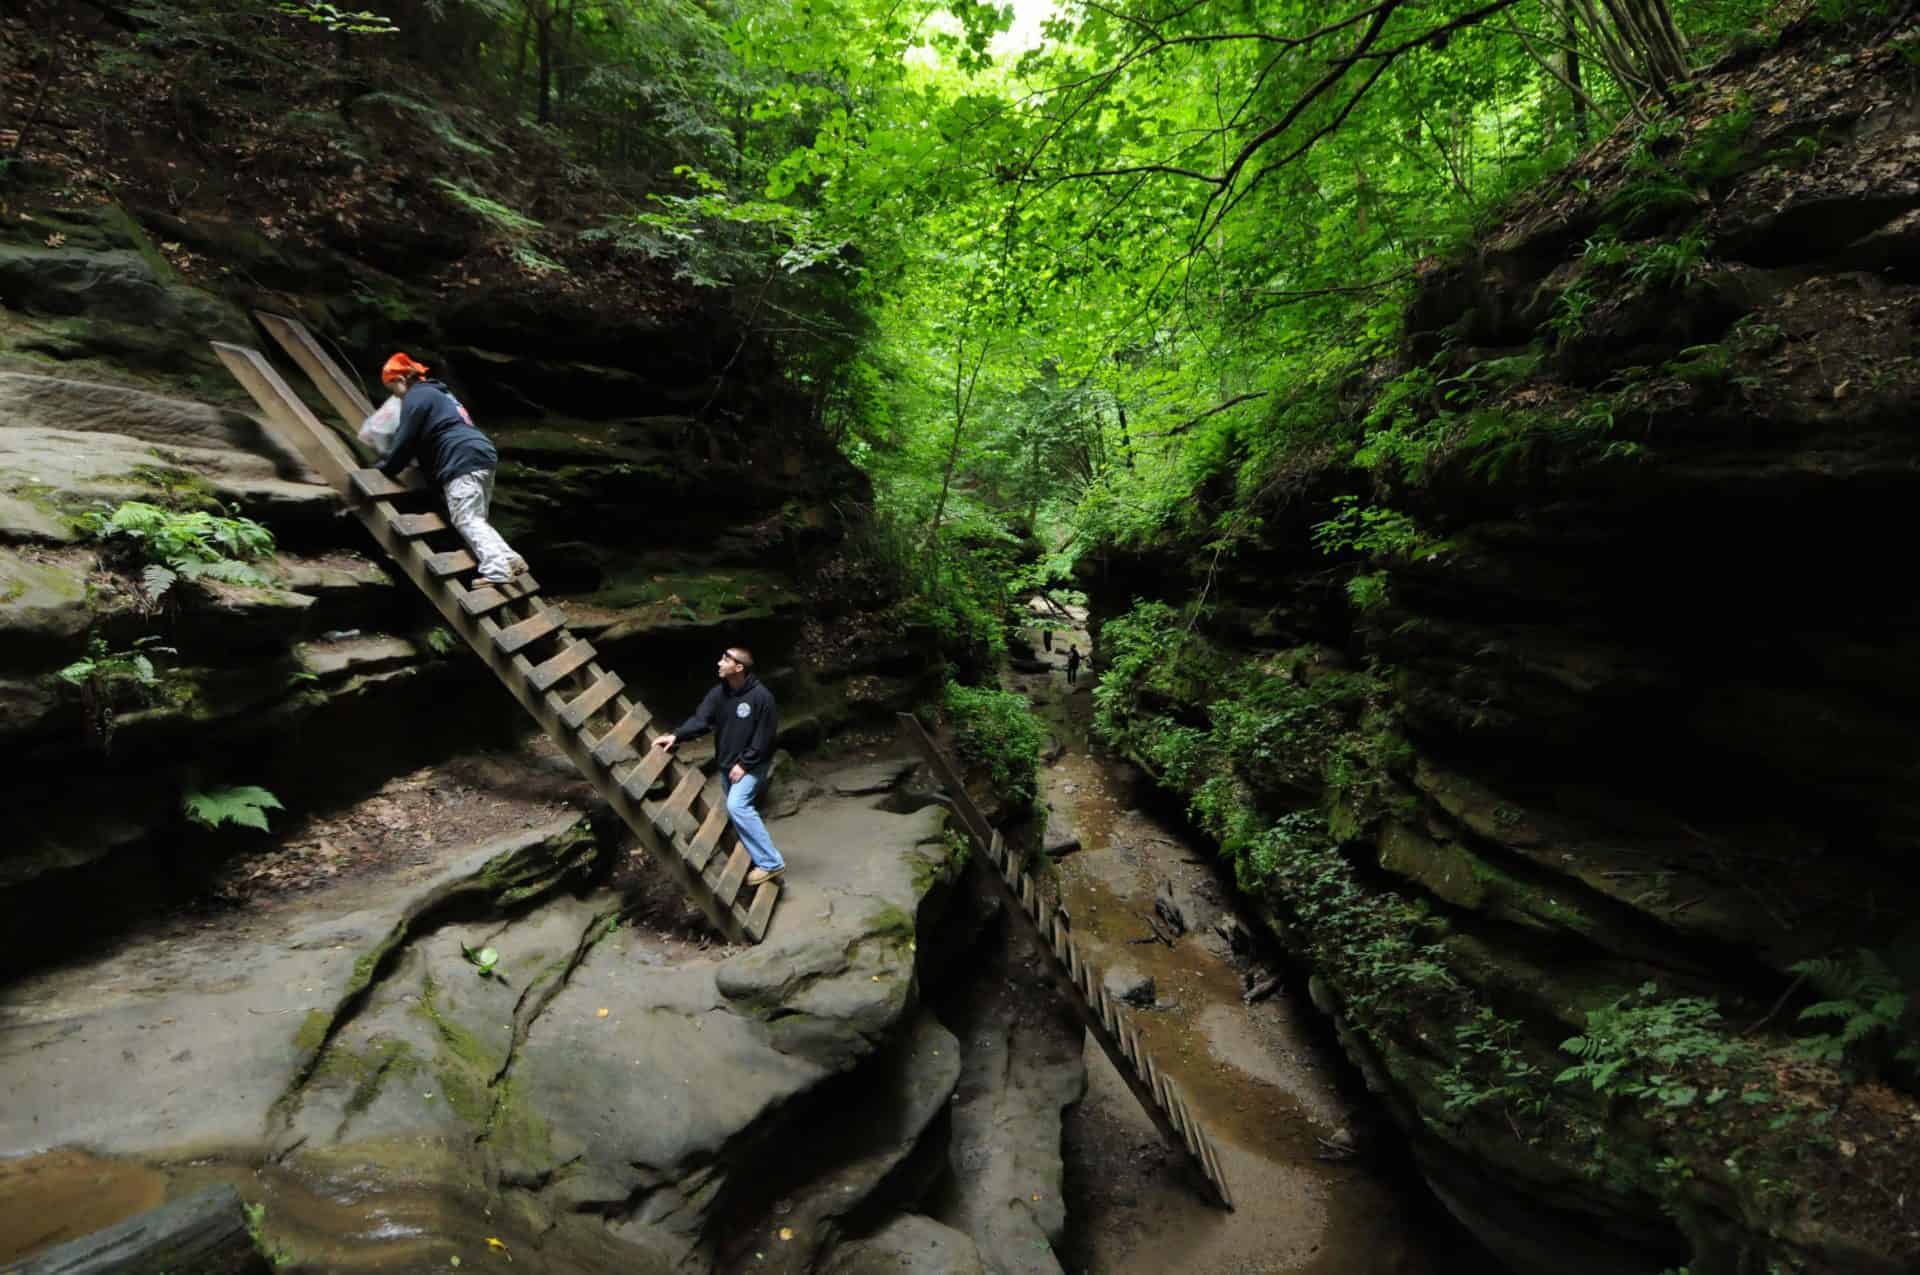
pixel 245 806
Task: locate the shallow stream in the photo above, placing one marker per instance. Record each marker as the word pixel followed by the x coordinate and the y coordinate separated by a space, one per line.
pixel 1315 1193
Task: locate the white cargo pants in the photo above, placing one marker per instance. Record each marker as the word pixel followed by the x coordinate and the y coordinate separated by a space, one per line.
pixel 467 499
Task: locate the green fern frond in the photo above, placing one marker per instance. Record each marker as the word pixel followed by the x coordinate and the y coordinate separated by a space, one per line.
pixel 246 806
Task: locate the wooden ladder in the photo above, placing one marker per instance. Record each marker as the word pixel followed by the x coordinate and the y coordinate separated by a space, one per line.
pixel 676 811
pixel 1085 989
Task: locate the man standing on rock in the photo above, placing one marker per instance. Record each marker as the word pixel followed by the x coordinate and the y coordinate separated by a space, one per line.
pixel 742 715
pixel 1073 664
pixel 436 430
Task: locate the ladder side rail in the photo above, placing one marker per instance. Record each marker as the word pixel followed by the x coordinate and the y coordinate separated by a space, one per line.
pixel 1181 1132
pixel 335 384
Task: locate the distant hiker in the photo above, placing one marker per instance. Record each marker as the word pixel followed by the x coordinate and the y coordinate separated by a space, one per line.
pixel 742 715
pixel 1073 663
pixel 1046 638
pixel 436 430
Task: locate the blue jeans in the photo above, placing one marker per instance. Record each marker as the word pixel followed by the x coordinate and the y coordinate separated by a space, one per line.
pixel 747 821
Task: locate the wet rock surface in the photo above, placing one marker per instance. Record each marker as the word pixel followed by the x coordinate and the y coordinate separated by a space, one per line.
pixel 1023 1067
pixel 597 1067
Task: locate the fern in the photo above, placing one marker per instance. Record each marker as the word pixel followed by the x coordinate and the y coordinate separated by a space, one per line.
pixel 246 806
pixel 1868 1000
pixel 226 571
pixel 492 211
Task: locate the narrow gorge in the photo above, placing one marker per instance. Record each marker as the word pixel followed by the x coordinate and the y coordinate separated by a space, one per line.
pixel 1396 516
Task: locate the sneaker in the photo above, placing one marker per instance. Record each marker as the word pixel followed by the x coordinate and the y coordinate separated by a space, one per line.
pixel 760 876
pixel 494 577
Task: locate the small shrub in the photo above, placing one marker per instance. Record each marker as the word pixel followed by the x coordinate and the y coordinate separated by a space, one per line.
pixel 1646 1049
pixel 1673 264
pixel 997 730
pixel 105 677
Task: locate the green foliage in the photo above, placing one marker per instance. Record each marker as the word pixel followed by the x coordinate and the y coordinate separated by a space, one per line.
pixel 1867 1001
pixel 485 961
pixel 1720 148
pixel 490 210
pixel 1571 308
pixel 441 640
pixel 1491 1064
pixel 244 807
pixel 1672 264
pixel 106 679
pixel 335 19
pixel 276 1255
pixel 1376 530
pixel 175 545
pixel 1644 1048
pixel 997 731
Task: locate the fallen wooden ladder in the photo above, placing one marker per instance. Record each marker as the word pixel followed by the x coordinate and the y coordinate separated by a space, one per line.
pixel 555 675
pixel 1086 991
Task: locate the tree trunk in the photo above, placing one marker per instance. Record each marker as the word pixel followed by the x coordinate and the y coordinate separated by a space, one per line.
pixel 1570 70
pixel 544 45
pixel 520 54
pixel 962 399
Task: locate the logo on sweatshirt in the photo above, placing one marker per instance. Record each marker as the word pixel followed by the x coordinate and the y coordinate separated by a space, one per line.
pixel 743 709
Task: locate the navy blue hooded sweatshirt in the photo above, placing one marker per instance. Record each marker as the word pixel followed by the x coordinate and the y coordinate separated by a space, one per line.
pixel 743 722
pixel 436 430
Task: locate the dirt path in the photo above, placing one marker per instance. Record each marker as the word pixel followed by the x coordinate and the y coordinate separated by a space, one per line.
pixel 1258 1075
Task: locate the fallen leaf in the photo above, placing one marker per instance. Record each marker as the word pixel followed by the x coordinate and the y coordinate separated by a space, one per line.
pixel 55 239
pixel 601 1013
pixel 1778 108
pixel 786 1232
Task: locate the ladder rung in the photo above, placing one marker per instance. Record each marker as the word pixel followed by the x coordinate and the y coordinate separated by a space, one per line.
pixel 736 872
pixel 617 744
pixel 680 802
pixel 371 484
pixel 546 676
pixel 700 849
pixel 530 630
pixel 640 780
pixel 451 563
pixel 413 526
pixel 480 601
pixel 762 911
pixel 487 598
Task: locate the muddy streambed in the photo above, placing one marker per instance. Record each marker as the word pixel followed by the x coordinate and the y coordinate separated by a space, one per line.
pixel 1315 1195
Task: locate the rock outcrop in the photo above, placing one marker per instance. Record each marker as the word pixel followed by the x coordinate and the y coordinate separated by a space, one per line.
pixel 688 1103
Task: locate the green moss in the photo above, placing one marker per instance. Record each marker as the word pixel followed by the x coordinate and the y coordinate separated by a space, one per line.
pixel 369 1070
pixel 462 1063
pixel 313 1031
pixel 701 596
pixel 177 488
pixel 117 221
pixel 889 921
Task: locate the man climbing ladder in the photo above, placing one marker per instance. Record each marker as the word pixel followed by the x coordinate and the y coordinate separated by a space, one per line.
pixel 741 713
pixel 436 430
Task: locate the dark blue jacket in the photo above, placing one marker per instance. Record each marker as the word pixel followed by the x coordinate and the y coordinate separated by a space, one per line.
pixel 436 431
pixel 744 723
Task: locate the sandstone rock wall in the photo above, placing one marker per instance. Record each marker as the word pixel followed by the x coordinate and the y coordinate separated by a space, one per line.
pixel 1641 711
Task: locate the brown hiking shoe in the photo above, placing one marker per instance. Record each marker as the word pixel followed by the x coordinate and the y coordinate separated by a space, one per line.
pixel 760 876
